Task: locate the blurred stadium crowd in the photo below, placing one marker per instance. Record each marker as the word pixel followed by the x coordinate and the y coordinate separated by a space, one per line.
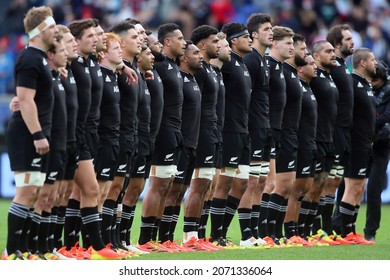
pixel 369 19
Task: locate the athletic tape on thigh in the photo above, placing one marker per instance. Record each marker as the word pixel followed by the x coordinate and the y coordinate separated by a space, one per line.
pixel 228 171
pixel 339 171
pixel 204 173
pixel 32 178
pixel 163 171
pixel 255 169
pixel 264 169
pixel 242 172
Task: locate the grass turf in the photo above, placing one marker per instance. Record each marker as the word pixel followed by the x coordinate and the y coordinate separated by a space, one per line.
pixel 380 251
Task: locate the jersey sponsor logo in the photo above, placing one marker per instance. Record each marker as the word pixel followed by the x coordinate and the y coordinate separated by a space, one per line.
pixel 122 167
pixel 306 170
pixel 72 80
pixel 246 73
pixel 19 232
pixel 281 75
pixel 347 71
pixel 170 66
pixel 186 80
pixel 207 70
pixel 99 73
pixel 147 92
pixel 169 157
pixel 246 229
pixel 360 85
pixel 196 88
pixel 179 75
pixel 291 164
pixel 44 61
pixel 116 89
pixel 293 76
pixel 108 79
pixel 221 83
pixel 313 97
pixel 209 159
pixel 159 79
pixel 369 93
pixel 261 64
pixel 61 87
pixel 322 75
pixel 257 153
pixel 215 80
pixel 141 169
pixel 92 63
pixel 304 89
pixel 105 172
pixel 53 79
pixel 233 160
pixel 332 84
pixel 87 70
pixel 53 175
pixel 237 64
pixel 178 173
pixel 338 63
pixel 80 59
pixel 277 67
pixel 362 172
pixel 36 162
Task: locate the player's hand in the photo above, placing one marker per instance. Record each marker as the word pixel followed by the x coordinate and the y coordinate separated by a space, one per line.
pixel 14 105
pixel 42 146
pixel 63 73
pixel 132 77
pixel 149 75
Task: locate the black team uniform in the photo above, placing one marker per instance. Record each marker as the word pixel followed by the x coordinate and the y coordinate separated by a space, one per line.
pixel 109 133
pixel 341 139
pixel 169 138
pixel 128 145
pixel 288 154
pixel 190 128
pixel 31 71
pixel 327 96
pixel 209 136
pixel 72 152
pixel 236 147
pixel 277 102
pixel 220 111
pixel 259 128
pixel 362 136
pixel 307 146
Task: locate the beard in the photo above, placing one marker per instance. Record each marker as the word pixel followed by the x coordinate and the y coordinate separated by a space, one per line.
pixel 299 61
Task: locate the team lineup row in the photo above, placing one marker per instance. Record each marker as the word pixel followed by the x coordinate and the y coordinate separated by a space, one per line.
pixel 267 135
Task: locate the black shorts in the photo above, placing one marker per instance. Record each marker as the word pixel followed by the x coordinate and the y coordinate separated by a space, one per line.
pixel 260 138
pixel 167 148
pixel 306 163
pixel 286 160
pixel 360 162
pixel 93 142
pixel 106 160
pixel 185 168
pixel 21 150
pixel 206 150
pixel 72 160
pixel 236 149
pixel 274 146
pixel 56 166
pixel 325 157
pixel 342 145
pixel 144 146
pixel 127 154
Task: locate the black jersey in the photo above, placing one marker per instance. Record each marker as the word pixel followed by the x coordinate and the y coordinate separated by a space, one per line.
pixel 308 121
pixel 32 71
pixel 207 80
pixel 80 69
pixel 72 104
pixel 292 109
pixel 221 99
pixel 144 112
pixel 191 110
pixel 173 93
pixel 59 120
pixel 343 80
pixel 109 109
pixel 277 92
pixel 327 95
pixel 259 105
pixel 238 93
pixel 156 91
pixel 129 95
pixel 96 94
pixel 363 127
